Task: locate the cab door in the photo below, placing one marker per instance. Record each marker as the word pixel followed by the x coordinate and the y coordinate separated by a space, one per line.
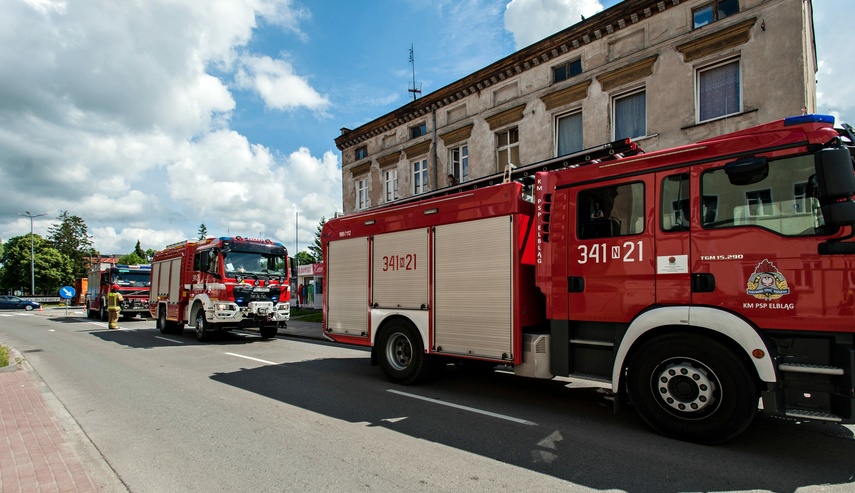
pixel 674 281
pixel 611 263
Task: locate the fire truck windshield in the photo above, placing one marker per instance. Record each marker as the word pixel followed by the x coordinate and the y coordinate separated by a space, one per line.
pixel 253 263
pixel 131 278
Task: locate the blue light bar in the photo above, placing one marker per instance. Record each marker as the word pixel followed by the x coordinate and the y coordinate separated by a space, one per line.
pixel 798 120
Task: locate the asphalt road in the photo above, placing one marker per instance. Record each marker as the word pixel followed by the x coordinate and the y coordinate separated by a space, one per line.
pixel 244 414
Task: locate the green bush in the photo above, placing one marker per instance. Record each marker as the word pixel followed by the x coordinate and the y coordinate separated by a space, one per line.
pixel 4 355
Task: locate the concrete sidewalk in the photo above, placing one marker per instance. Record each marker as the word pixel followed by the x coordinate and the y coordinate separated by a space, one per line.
pixel 44 449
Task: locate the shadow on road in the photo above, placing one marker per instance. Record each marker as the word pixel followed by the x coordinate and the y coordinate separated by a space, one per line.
pixel 577 437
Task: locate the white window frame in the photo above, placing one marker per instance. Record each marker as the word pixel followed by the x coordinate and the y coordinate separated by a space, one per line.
pixel 558 119
pixel 622 96
pixel 390 184
pixel 362 199
pixel 420 177
pixel 754 198
pixel 699 73
pixel 507 148
pixel 458 162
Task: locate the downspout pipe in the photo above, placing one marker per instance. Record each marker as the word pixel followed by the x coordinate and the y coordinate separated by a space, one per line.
pixel 434 156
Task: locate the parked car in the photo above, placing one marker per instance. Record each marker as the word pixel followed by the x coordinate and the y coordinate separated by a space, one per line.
pixel 13 302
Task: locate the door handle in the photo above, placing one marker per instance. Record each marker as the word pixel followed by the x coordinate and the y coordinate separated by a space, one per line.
pixel 703 283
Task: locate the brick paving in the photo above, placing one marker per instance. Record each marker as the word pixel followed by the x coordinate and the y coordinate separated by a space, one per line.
pixel 35 453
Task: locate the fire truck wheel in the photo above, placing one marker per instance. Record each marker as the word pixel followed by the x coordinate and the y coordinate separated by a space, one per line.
pixel 268 331
pixel 203 329
pixel 161 323
pixel 102 314
pixel 402 355
pixel 692 388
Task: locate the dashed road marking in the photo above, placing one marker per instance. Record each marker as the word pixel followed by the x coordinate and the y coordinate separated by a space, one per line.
pixel 464 408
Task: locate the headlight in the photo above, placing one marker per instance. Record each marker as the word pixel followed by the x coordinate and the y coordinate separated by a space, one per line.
pixel 222 306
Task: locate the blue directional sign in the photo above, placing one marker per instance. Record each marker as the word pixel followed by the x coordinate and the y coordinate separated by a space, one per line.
pixel 66 292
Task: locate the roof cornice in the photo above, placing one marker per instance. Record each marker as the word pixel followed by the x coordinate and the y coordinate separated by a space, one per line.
pixel 605 23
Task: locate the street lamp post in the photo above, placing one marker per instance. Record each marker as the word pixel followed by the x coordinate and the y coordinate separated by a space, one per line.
pixel 32 252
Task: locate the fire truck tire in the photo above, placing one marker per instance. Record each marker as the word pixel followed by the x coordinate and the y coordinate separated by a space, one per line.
pixel 204 332
pixel 161 324
pixel 102 313
pixel 402 355
pixel 89 312
pixel 268 331
pixel 692 388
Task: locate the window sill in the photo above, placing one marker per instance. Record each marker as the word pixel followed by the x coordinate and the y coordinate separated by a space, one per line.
pixel 644 137
pixel 732 115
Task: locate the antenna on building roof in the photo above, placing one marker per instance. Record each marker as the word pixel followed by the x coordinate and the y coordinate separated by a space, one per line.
pixel 413 89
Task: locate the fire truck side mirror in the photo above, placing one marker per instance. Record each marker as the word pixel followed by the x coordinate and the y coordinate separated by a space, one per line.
pixel 834 173
pixel 835 179
pixel 747 170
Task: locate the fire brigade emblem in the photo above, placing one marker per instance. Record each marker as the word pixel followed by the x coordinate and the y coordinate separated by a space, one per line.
pixel 767 282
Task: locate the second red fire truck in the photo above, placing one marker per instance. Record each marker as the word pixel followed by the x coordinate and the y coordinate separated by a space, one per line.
pixel 699 283
pixel 133 282
pixel 220 284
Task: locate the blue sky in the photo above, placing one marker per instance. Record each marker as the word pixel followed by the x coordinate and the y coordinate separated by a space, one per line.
pixel 148 118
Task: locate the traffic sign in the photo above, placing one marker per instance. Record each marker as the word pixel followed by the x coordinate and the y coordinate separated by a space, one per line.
pixel 66 292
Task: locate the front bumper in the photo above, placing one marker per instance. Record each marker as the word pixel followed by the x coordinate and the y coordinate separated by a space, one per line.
pixel 256 313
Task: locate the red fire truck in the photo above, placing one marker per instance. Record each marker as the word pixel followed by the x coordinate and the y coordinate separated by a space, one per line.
pixel 699 283
pixel 133 282
pixel 219 284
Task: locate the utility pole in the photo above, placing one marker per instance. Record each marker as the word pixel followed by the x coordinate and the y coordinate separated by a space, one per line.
pixel 32 252
pixel 296 251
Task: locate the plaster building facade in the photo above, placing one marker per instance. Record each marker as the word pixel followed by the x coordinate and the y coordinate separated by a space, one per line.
pixel 663 73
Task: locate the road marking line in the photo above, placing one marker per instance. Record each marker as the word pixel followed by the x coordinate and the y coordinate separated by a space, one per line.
pixel 170 340
pixel 253 359
pixel 465 408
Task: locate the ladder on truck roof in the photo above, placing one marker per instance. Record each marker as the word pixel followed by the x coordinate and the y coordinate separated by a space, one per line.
pixel 592 155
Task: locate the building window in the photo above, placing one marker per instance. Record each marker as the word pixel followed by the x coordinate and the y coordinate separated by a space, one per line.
pixel 361 152
pixel 630 117
pixel 508 148
pixel 800 198
pixel 759 202
pixel 718 91
pixel 569 134
pixel 362 194
pixel 567 70
pixel 714 11
pixel 418 130
pixel 459 160
pixel 420 177
pixel 391 184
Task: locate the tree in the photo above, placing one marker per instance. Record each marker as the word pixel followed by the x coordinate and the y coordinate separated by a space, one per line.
pixel 203 231
pixel 316 249
pixel 131 259
pixel 53 269
pixel 72 239
pixel 304 258
pixel 139 251
pixel 149 253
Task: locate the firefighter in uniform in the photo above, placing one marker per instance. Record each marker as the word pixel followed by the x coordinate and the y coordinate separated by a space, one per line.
pixel 114 306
